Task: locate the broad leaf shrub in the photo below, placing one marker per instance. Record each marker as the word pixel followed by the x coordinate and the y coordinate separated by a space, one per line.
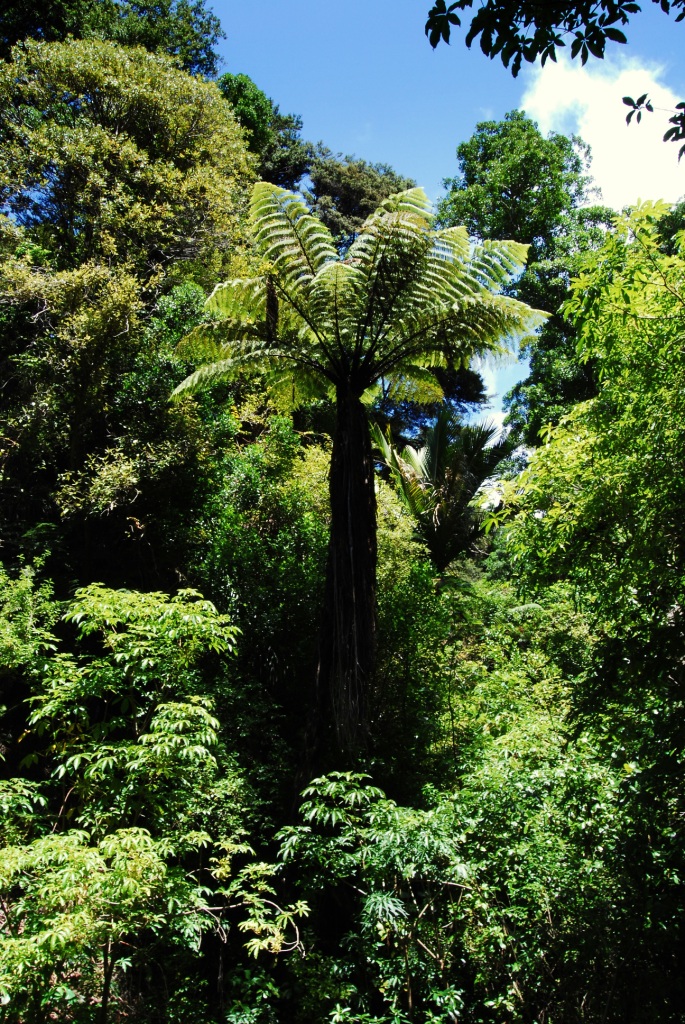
pixel 118 859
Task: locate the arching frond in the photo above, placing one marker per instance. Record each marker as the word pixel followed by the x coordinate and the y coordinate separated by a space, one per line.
pixel 495 264
pixel 211 342
pixel 406 298
pixel 241 298
pixel 291 386
pixel 412 201
pixel 454 243
pixel 205 376
pixel 295 243
pixel 437 482
pixel 337 301
pixel 390 252
pixel 452 272
pixel 420 386
pixel 437 334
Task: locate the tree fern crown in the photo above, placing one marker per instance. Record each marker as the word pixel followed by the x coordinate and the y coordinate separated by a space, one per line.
pixel 405 297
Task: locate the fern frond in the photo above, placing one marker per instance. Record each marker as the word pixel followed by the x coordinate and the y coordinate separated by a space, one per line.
pixel 495 264
pixel 435 333
pixel 405 299
pixel 207 375
pixel 212 342
pixel 291 387
pixel 412 201
pixel 420 386
pixel 241 298
pixel 337 301
pixel 295 243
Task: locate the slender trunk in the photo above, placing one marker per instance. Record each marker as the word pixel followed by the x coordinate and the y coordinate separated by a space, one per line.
pixel 108 963
pixel 348 630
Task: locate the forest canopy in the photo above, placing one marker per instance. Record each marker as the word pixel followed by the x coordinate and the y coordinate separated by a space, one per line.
pixel 324 698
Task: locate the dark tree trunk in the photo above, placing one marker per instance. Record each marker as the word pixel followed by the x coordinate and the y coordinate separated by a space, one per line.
pixel 348 629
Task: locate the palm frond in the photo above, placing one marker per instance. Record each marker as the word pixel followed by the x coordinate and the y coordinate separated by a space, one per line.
pixel 407 472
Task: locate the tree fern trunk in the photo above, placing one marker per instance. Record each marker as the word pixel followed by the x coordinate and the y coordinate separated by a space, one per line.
pixel 348 630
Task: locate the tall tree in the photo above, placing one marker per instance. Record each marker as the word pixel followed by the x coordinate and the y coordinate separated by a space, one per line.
pixel 284 156
pixel 405 297
pixel 514 182
pixel 185 29
pixel 344 190
pixel 117 156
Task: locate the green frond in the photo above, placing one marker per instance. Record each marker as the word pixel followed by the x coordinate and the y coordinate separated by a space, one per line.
pixel 255 354
pixel 337 300
pixel 295 243
pixel 495 264
pixel 407 473
pixel 212 342
pixel 205 376
pixel 436 333
pixel 243 298
pixel 414 461
pixel 291 387
pixel 455 242
pixel 401 225
pixel 390 253
pixel 419 386
pixel 380 442
pixel 413 201
pixel 406 298
pixel 418 498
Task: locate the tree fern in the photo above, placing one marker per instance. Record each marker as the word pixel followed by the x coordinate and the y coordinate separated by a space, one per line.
pixel 404 298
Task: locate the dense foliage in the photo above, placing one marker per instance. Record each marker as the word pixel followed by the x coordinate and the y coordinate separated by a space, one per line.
pixel 185 29
pixel 514 182
pixel 186 836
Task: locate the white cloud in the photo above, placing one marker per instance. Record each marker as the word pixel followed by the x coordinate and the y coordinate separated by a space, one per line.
pixel 628 162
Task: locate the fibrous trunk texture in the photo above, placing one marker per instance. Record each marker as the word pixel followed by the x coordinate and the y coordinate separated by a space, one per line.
pixel 348 630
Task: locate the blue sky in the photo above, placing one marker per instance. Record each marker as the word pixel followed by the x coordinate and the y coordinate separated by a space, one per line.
pixel 365 81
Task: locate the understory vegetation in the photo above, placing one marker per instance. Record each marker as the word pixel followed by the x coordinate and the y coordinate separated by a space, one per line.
pixel 322 699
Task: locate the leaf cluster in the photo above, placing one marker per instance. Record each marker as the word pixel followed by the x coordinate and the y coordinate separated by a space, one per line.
pixel 518 30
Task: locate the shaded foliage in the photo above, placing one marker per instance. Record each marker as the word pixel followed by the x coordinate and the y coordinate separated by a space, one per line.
pixel 284 157
pixel 515 183
pixel 185 29
pixel 438 482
